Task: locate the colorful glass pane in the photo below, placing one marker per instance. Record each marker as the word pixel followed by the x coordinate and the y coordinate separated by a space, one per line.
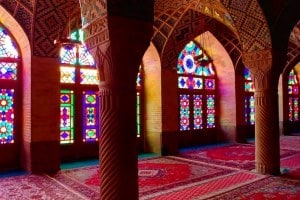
pixel 249 87
pixel 208 70
pixel 210 84
pixel 67 74
pixel 68 55
pixel 184 112
pixel 186 63
pixel 89 77
pixel 247 74
pixel 7 47
pixel 90 110
pixel 210 111
pixel 7 116
pixel 292 78
pixel 77 35
pixel 8 71
pixel 293 91
pixel 85 58
pixel 66 117
pixel 198 122
pixel 139 80
pixel 190 83
pixel 250 110
pixel 138 114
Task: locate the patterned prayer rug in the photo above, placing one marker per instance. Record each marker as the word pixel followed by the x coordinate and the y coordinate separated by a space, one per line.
pixel 207 188
pixel 273 188
pixel 155 175
pixel 34 187
pixel 291 167
pixel 290 142
pixel 240 156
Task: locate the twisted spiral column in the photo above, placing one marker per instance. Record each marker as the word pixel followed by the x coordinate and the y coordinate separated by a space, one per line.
pixel 267 151
pixel 118 152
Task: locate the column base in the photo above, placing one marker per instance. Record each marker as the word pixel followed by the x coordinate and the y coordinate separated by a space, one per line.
pixel 262 168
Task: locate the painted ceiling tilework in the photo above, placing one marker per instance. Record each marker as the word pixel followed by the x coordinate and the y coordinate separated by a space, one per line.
pixel 169 12
pixel 188 27
pixel 293 55
pixel 50 21
pixel 252 26
pixel 22 11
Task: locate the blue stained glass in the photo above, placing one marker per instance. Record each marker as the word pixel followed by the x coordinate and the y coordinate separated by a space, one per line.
pixel 7 46
pixel 196 74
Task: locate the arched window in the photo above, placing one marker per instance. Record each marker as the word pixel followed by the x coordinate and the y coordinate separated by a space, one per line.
pixel 79 99
pixel 197 89
pixel 9 78
pixel 293 96
pixel 249 98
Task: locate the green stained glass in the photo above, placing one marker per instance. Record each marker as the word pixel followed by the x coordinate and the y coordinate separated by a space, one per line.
pixel 210 111
pixel 66 117
pixel 138 114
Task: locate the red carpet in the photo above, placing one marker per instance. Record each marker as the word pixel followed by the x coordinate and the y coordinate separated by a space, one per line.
pixel 240 156
pixel 34 187
pixel 290 142
pixel 206 189
pixel 273 188
pixel 155 174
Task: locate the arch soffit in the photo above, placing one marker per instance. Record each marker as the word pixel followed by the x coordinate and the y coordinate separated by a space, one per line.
pixel 169 13
pixel 192 21
pixel 19 35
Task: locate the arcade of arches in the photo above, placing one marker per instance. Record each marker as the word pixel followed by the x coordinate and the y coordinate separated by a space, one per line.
pixel 144 76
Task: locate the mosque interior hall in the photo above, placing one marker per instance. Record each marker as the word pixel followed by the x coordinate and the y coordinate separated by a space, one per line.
pixel 149 99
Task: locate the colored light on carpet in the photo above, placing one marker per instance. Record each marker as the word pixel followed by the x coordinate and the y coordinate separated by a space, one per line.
pixel 34 187
pixel 205 189
pixel 273 188
pixel 240 156
pixel 155 175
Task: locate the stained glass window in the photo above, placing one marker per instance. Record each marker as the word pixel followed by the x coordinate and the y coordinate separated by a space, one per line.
pixel 90 107
pixel 79 79
pixel 67 116
pixel 9 64
pixel 293 93
pixel 249 98
pixel 197 86
pixel 139 92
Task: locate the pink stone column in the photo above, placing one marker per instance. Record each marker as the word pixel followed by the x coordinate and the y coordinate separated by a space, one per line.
pixel 267 147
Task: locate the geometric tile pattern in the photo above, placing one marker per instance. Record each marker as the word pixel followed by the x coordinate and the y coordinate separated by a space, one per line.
pixel 50 21
pixel 168 14
pixel 251 23
pixel 191 25
pixel 22 11
pixel 293 57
